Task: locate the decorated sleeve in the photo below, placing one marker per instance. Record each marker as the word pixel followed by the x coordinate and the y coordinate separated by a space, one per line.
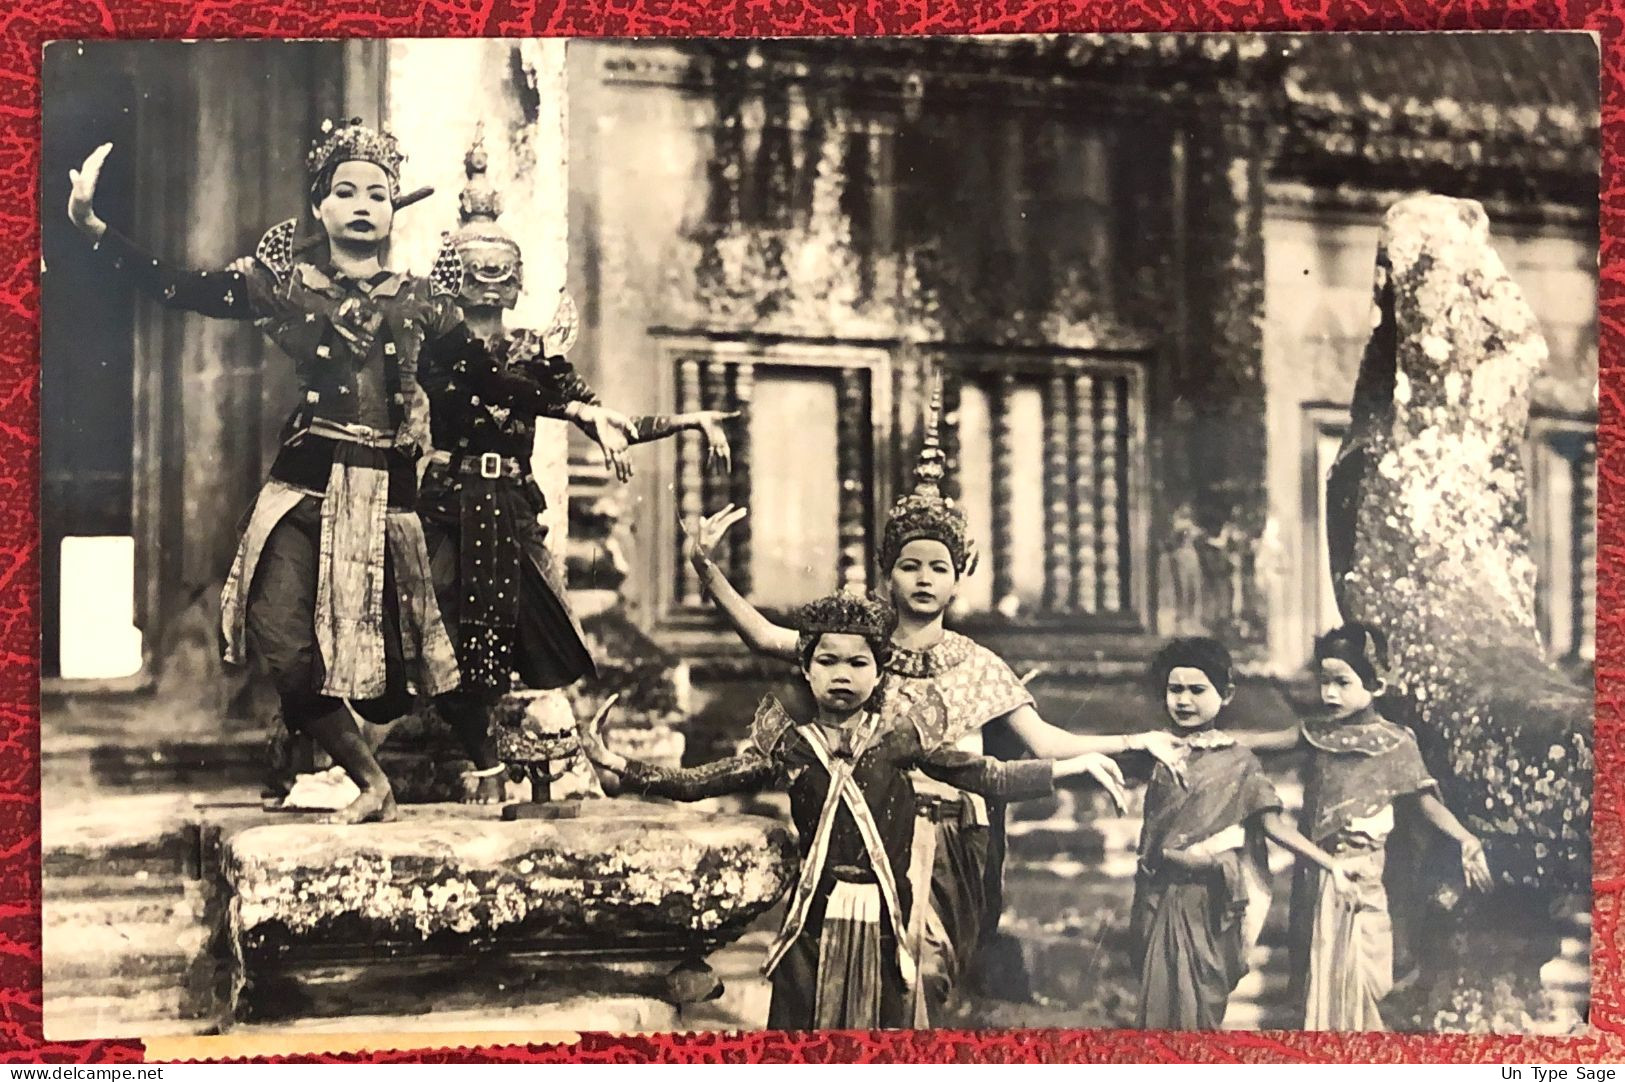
pixel 1257 791
pixel 747 772
pixel 222 294
pixel 1413 770
pixel 455 353
pixel 655 426
pixel 1023 779
pixel 559 376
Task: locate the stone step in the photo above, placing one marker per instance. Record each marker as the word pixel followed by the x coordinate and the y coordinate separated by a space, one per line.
pixel 160 1012
pixel 120 836
pixel 98 763
pixel 115 939
pixel 142 884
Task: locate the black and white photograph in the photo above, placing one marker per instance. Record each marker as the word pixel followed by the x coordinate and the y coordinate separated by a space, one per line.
pixel 1081 531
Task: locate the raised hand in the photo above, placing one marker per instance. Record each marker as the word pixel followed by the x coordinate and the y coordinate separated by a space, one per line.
pixel 592 740
pixel 701 542
pixel 81 198
pixel 1102 769
pixel 719 455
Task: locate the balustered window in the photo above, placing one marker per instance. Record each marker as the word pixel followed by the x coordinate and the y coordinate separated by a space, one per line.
pixel 1048 457
pixel 805 458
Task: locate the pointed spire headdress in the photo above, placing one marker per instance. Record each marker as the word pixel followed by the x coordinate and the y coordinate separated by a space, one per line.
pixel 925 513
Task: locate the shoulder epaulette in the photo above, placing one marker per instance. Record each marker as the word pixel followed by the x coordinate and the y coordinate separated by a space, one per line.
pixel 275 249
pixel 446 276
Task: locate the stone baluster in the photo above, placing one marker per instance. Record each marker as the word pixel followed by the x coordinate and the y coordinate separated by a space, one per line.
pixel 1058 469
pixel 853 490
pixel 1585 550
pixel 947 429
pixel 690 477
pixel 1085 580
pixel 1004 435
pixel 851 427
pixel 716 491
pixel 744 390
pixel 1111 508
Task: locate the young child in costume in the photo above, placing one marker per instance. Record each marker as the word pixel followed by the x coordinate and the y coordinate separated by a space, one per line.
pixel 925 552
pixel 1203 885
pixel 331 583
pixel 1363 771
pixel 843 958
pixel 500 590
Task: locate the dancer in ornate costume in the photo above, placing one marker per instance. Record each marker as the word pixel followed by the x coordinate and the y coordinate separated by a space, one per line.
pixel 1203 885
pixel 924 552
pixel 331 586
pixel 844 958
pixel 499 588
pixel 1365 777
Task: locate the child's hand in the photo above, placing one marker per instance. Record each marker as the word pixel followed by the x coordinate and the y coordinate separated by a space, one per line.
pixel 1343 878
pixel 1475 867
pixel 1186 860
pixel 1102 770
pixel 1165 748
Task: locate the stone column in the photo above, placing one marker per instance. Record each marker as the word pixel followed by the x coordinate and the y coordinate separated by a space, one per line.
pixel 1214 449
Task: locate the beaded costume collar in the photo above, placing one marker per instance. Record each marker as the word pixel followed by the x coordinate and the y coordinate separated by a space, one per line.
pixel 1367 733
pixel 932 661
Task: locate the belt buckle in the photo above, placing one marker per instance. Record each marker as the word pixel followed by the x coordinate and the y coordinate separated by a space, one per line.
pixel 490 465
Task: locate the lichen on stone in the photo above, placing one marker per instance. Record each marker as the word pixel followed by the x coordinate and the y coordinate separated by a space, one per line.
pixel 1428 523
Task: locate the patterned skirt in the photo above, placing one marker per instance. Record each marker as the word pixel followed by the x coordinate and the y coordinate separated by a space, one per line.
pixel 358 533
pixel 499 588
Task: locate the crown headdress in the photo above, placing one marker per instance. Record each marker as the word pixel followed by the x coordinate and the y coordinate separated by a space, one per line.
pixel 350 141
pixel 924 513
pixel 845 614
pixel 480 204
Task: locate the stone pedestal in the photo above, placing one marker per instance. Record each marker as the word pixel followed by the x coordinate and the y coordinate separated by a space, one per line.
pixel 622 903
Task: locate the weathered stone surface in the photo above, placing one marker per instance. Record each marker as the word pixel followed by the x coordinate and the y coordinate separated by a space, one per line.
pixel 634 877
pixel 1428 533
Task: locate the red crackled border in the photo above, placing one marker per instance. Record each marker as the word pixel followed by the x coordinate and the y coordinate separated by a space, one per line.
pixel 22 32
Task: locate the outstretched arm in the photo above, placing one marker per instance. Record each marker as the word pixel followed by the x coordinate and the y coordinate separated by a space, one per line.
pixel 759 633
pixel 1053 742
pixel 1286 835
pixel 1281 740
pixel 229 294
pixel 747 772
pixel 1475 868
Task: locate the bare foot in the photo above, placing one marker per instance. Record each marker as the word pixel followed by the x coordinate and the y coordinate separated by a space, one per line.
pixel 375 805
pixel 489 790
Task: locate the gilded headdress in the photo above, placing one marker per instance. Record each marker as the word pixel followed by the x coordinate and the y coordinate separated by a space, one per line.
pixel 925 513
pixel 352 141
pixel 485 255
pixel 846 614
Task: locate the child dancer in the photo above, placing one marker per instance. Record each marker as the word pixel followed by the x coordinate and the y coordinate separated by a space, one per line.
pixel 1363 769
pixel 843 958
pixel 1203 891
